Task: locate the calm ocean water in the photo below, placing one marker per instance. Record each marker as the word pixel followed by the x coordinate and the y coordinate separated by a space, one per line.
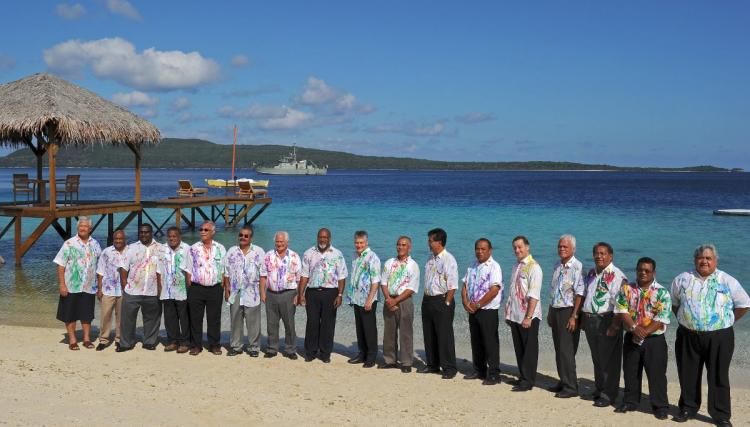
pixel 661 215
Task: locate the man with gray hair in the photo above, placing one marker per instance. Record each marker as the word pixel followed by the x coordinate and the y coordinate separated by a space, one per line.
pixel 279 279
pixel 362 295
pixel 706 302
pixel 566 296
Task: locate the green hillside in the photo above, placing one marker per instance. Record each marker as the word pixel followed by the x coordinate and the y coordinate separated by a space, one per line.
pixel 195 153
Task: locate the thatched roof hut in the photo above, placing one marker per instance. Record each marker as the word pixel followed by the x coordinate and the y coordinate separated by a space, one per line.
pixel 41 104
pixel 59 113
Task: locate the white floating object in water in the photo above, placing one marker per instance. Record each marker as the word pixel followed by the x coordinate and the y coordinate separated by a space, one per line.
pixel 734 212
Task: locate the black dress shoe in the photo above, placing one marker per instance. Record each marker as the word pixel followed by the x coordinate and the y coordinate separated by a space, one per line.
pixel 601 402
pixel 148 346
pixel 723 423
pixel 388 366
pixel 309 358
pixel 233 352
pixel 521 388
pixel 356 360
pixel 368 364
pixel 661 415
pixel 428 370
pixel 474 376
pixel 325 359
pixel 591 396
pixel 448 375
pixel 122 349
pixel 405 369
pixel 557 388
pixel 270 354
pixel 683 416
pixel 565 394
pixel 291 356
pixel 253 353
pixel 491 380
pixel 514 382
pixel 625 407
pixel 117 345
pixel 101 347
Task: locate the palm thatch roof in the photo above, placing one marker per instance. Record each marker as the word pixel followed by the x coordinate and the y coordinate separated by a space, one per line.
pixel 46 106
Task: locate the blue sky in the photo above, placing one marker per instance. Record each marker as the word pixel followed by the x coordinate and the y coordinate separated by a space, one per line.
pixel 642 83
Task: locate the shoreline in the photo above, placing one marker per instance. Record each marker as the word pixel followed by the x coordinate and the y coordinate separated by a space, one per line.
pixel 153 387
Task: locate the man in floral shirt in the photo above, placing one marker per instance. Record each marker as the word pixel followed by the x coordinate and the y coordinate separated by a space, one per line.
pixel 110 289
pixel 174 295
pixel 362 295
pixel 643 308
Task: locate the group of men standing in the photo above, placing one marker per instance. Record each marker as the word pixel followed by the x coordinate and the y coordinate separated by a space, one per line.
pixel 185 282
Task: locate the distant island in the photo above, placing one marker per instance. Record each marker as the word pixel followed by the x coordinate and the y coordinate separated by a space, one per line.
pixel 195 153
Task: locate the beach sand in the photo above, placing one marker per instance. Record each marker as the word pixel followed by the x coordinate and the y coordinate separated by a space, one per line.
pixel 44 383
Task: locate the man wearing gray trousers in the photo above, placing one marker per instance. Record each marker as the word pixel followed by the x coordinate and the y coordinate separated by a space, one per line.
pixel 566 296
pixel 242 292
pixel 279 278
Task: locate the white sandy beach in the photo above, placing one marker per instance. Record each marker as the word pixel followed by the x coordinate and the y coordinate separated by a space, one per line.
pixel 44 383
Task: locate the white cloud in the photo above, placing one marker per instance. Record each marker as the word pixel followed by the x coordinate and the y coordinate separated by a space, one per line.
pixel 327 99
pixel 6 62
pixel 70 11
pixel 180 103
pixel 270 117
pixel 254 112
pixel 292 119
pixel 240 61
pixel 123 8
pixel 411 129
pixel 474 117
pixel 117 59
pixel 135 99
pixel 188 117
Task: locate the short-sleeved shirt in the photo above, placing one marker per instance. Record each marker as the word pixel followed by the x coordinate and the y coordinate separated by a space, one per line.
pixel 707 304
pixel 79 259
pixel 399 276
pixel 566 283
pixel 172 277
pixel 365 273
pixel 440 274
pixel 108 267
pixel 243 272
pixel 602 289
pixel 480 278
pixel 142 263
pixel 644 306
pixel 206 266
pixel 281 273
pixel 525 283
pixel 323 269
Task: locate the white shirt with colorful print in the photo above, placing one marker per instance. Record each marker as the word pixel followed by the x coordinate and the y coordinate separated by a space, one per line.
pixel 440 274
pixel 143 264
pixel 109 268
pixel 644 306
pixel 79 259
pixel 399 276
pixel 281 273
pixel 173 284
pixel 525 283
pixel 566 283
pixel 243 272
pixel 602 289
pixel 707 304
pixel 480 278
pixel 323 269
pixel 206 266
pixel 365 273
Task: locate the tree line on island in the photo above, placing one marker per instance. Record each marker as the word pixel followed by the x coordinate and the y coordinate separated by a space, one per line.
pixel 196 153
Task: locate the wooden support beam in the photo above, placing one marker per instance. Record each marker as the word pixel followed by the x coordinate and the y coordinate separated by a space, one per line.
pixel 177 217
pixel 202 214
pixel 226 214
pixel 110 228
pixel 7 227
pixel 60 230
pixel 17 240
pixel 242 214
pixel 68 227
pixel 25 246
pixel 52 154
pixel 127 220
pixel 192 218
pixel 97 223
pixel 137 151
pixel 163 224
pixel 257 214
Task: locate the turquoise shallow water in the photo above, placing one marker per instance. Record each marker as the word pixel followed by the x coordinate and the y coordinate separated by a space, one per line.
pixel 663 216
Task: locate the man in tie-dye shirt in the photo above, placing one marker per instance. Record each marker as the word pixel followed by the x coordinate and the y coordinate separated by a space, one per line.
pixel 174 295
pixel 362 295
pixel 242 292
pixel 321 289
pixel 438 307
pixel 399 282
pixel 110 289
pixel 140 274
pixel 481 294
pixel 76 275
pixel 644 307
pixel 707 303
pixel 523 312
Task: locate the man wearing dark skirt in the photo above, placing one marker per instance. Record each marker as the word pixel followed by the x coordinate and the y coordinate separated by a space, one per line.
pixel 643 309
pixel 321 288
pixel 481 294
pixel 140 273
pixel 204 269
pixel 523 312
pixel 76 274
pixel 707 302
pixel 362 295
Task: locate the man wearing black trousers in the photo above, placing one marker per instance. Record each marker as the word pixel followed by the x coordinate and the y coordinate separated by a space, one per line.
pixel 438 308
pixel 643 310
pixel 320 290
pixel 523 313
pixel 362 295
pixel 203 267
pixel 707 302
pixel 481 296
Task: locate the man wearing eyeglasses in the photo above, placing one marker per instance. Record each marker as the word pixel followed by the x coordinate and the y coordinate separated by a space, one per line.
pixel 203 267
pixel 241 291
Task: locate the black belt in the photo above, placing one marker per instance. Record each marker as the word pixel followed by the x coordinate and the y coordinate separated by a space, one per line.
pixel 704 333
pixel 610 314
pixel 280 292
pixel 428 297
pixel 321 288
pixel 205 286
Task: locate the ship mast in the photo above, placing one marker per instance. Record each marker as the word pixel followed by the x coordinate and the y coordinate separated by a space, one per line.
pixel 234 151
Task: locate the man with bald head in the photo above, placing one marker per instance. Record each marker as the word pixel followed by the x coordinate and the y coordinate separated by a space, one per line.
pixel 109 292
pixel 203 266
pixel 279 281
pixel 706 302
pixel 320 290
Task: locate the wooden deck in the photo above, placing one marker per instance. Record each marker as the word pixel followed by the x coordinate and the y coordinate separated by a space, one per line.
pixel 187 210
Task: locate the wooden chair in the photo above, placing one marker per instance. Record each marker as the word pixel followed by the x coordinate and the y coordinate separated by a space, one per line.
pixel 187 190
pixel 70 188
pixel 246 190
pixel 21 186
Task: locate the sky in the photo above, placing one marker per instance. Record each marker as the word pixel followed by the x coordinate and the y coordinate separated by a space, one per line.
pixel 636 83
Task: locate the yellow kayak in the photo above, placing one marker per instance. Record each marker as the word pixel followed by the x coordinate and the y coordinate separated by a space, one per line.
pixel 221 183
